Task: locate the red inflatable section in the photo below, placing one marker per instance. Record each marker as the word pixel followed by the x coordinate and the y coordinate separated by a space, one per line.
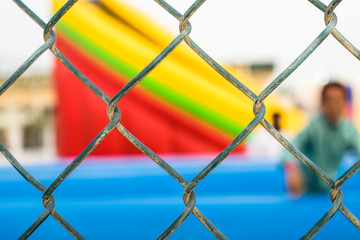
pixel 81 115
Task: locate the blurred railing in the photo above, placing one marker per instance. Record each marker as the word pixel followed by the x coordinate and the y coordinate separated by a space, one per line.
pixel 114 115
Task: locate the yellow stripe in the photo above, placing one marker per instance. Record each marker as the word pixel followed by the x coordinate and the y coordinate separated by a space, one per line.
pixel 181 70
pixel 156 33
pixel 124 43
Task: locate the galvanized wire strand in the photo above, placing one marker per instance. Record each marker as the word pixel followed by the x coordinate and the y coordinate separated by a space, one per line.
pixel 189 189
pixel 267 91
pixel 170 9
pixel 329 16
pixel 49 206
pixel 217 67
pixel 33 181
pixel 48 43
pixel 11 80
pixel 298 154
pixel 347 174
pixel 225 153
pixel 163 164
pixel 143 73
pixel 299 60
pixel 56 52
pixel 341 39
pixel 56 17
pixel 328 10
pixel 317 170
pixel 324 219
pixel 190 204
pixel 222 71
pixel 185 18
pixel 114 115
pixel 335 186
pixel 48 203
pixel 76 162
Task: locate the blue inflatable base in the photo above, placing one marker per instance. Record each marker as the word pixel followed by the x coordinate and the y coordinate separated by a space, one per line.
pixel 139 200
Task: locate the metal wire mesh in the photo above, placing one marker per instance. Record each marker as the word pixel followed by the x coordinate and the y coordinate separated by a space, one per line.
pixel 113 113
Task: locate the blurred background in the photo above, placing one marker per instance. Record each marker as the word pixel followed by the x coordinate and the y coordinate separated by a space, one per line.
pixel 251 39
pixel 183 110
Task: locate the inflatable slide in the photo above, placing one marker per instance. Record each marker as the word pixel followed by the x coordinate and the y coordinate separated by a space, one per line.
pixel 182 106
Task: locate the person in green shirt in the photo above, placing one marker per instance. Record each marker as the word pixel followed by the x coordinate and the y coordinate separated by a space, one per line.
pixel 324 141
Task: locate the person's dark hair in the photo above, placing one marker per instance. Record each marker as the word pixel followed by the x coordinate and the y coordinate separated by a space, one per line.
pixel 276 121
pixel 333 85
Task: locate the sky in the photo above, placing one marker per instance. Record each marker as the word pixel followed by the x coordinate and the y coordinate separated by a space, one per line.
pixel 235 32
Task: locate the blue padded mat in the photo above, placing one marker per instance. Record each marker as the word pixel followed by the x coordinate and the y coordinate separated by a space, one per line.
pixel 139 200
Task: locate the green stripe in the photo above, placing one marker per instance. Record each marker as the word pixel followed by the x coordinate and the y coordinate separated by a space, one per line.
pixel 194 108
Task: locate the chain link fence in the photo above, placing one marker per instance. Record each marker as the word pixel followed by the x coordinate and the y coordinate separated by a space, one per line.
pixel 114 116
